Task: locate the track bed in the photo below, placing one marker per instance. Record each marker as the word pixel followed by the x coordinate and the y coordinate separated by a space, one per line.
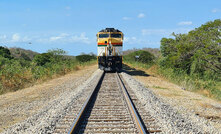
pixel 109 109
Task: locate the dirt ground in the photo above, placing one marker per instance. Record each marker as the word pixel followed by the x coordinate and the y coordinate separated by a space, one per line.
pixel 176 96
pixel 18 106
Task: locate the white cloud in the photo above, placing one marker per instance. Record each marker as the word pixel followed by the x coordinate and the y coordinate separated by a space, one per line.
pixel 153 31
pixel 126 18
pixel 64 37
pixel 68 8
pixel 82 39
pixel 3 37
pixel 134 40
pixel 141 15
pixel 215 10
pixel 26 38
pixel 165 32
pixel 24 25
pixel 182 23
pixel 55 38
pixel 28 9
pixel 64 34
pixel 130 40
pixel 59 37
pixel 15 37
pixel 68 14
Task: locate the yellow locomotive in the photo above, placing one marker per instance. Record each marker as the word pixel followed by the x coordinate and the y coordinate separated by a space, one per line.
pixel 110 43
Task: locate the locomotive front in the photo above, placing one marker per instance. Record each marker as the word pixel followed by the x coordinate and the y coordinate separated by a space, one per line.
pixel 110 42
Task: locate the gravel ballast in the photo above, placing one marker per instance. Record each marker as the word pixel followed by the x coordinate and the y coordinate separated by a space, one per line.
pixel 169 118
pixel 44 121
pixel 72 94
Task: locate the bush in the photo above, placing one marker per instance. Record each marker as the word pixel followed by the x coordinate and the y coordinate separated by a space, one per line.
pixel 199 51
pixel 16 73
pixel 85 58
pixel 194 59
pixel 42 59
pixel 4 52
pixel 140 56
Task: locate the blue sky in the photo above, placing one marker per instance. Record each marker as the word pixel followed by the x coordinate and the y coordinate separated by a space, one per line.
pixel 72 24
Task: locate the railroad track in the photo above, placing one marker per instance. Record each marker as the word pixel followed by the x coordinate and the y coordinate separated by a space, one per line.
pixel 109 109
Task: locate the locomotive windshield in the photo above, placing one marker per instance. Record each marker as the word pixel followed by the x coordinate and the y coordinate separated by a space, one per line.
pixel 107 35
pixel 116 35
pixel 103 35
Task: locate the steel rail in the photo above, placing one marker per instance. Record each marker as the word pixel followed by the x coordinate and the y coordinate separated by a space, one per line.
pixel 131 106
pixel 76 123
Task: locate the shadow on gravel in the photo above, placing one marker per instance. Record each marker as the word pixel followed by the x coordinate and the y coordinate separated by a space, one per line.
pixel 133 71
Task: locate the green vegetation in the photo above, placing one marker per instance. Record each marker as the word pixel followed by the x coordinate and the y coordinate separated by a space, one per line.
pixel 194 59
pixel 22 53
pixel 154 51
pixel 139 58
pixel 191 60
pixel 22 71
pixel 5 53
pixel 85 58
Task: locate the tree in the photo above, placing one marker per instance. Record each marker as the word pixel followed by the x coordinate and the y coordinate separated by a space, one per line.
pixel 196 52
pixel 140 56
pixel 57 54
pixel 4 52
pixel 167 46
pixel 43 58
pixel 85 57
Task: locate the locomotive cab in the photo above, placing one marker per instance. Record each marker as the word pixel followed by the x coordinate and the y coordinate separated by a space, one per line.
pixel 110 43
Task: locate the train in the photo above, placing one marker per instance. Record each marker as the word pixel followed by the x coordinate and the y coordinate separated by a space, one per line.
pixel 109 49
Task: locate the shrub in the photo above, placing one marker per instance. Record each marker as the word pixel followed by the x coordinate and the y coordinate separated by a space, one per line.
pixel 194 59
pixel 14 75
pixel 4 52
pixel 42 59
pixel 19 72
pixel 140 56
pixel 196 52
pixel 85 58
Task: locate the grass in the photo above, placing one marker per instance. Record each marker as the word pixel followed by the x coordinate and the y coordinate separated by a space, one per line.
pixel 138 64
pixel 209 88
pixel 158 87
pixel 16 74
